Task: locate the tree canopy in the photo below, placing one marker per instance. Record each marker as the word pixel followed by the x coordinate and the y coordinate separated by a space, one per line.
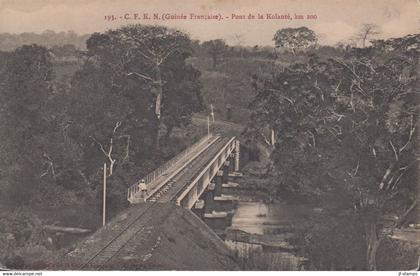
pixel 216 49
pixel 367 32
pixel 58 135
pixel 345 132
pixel 295 39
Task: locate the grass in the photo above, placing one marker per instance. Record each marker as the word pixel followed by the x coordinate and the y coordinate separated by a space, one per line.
pixel 256 259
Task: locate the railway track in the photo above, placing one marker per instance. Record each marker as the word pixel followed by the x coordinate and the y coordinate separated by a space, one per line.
pixel 180 182
pixel 186 175
pixel 157 193
pixel 138 225
pixel 115 244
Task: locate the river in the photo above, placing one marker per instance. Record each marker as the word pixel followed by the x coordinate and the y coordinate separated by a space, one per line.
pixel 275 220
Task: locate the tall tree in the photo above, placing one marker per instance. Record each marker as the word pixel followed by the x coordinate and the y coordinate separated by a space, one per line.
pixel 144 54
pixel 367 32
pixel 216 49
pixel 104 122
pixel 183 96
pixel 295 39
pixel 25 91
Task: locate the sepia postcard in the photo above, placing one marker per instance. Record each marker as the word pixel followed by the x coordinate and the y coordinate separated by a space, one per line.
pixel 209 135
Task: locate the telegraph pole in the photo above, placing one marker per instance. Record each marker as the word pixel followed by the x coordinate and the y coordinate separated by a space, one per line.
pixel 104 198
pixel 208 125
pixel 212 112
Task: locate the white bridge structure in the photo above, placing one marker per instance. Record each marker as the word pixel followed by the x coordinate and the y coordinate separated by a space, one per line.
pixel 185 178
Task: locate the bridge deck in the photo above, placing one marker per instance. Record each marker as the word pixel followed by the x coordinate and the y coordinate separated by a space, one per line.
pixel 175 169
pixel 176 185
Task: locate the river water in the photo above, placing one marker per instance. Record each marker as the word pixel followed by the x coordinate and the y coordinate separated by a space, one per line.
pixel 267 219
pixel 262 218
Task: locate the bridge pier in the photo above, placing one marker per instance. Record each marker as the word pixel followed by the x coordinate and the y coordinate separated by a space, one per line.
pixel 218 180
pixel 218 221
pixel 235 158
pixel 237 155
pixel 199 208
pixel 224 203
pixel 208 197
pixel 214 204
pixel 218 206
pixel 221 202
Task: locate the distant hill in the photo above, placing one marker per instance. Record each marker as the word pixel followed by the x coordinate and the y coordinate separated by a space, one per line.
pixel 48 38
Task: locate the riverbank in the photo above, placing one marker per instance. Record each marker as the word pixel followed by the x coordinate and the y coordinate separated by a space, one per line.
pixel 264 225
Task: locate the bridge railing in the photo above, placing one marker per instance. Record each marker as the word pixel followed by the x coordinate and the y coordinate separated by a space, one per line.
pixel 222 154
pixel 151 177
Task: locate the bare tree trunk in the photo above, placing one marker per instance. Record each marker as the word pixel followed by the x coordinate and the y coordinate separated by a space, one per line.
pixel 273 138
pixel 159 92
pixel 364 40
pixel 267 149
pixel 111 166
pixel 372 245
pixel 108 153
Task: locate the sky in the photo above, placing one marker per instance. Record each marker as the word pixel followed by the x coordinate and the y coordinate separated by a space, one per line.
pixel 336 20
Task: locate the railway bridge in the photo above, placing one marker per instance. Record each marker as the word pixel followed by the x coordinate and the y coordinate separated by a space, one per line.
pixel 139 238
pixel 183 179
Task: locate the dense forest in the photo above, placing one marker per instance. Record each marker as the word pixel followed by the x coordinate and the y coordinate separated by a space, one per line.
pixel 58 133
pixel 339 126
pixel 342 131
